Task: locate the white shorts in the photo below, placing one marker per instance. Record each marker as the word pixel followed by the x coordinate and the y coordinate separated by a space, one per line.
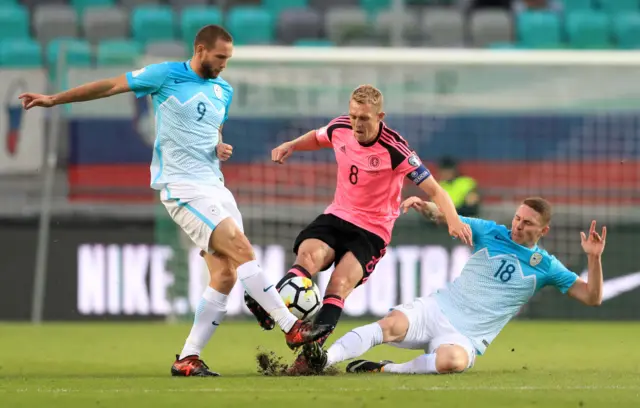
pixel 198 209
pixel 429 328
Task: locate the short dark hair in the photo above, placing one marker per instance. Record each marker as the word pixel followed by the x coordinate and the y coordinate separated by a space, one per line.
pixel 541 206
pixel 209 34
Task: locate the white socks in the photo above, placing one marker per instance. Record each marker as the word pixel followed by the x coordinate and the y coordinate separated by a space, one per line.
pixel 265 293
pixel 425 364
pixel 209 314
pixel 355 343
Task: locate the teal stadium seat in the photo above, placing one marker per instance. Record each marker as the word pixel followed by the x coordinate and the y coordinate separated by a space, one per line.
pixel 118 53
pixel 619 6
pixel 626 30
pixel 81 5
pixel 539 30
pixel 194 18
pixel 78 52
pixel 577 5
pixel 152 23
pixel 8 3
pixel 588 30
pixel 251 25
pixel 20 53
pixel 373 6
pixel 275 7
pixel 14 22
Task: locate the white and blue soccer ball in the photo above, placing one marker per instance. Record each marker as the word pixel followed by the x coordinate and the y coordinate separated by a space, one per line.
pixel 302 297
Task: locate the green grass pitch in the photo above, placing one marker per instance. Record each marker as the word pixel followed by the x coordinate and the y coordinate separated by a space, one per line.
pixel 531 364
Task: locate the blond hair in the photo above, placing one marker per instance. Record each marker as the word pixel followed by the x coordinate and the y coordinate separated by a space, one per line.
pixel 368 94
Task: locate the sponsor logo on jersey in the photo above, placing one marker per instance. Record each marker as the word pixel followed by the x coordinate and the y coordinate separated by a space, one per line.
pixel 343 149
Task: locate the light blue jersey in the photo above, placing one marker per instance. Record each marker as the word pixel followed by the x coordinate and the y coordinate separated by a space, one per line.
pixel 498 279
pixel 189 112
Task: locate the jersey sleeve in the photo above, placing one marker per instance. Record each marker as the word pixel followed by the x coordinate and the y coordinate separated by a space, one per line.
pixel 147 80
pixel 414 169
pixel 324 135
pixel 561 277
pixel 227 107
pixel 479 227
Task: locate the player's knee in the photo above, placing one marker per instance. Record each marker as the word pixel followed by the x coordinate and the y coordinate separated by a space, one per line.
pixel 394 327
pixel 224 279
pixel 232 243
pixel 451 359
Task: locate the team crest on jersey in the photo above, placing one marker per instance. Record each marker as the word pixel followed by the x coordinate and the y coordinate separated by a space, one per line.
pixel 536 258
pixel 217 91
pixel 374 162
pixel 414 161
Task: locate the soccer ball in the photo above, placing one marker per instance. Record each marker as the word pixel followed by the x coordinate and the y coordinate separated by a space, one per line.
pixel 301 296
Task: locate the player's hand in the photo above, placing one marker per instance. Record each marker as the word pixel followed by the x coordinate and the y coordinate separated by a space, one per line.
pixel 282 152
pixel 416 203
pixel 224 151
pixel 30 100
pixel 462 231
pixel 594 243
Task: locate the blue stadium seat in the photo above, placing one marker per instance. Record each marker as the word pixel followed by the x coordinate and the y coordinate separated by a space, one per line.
pixel 118 52
pixel 152 23
pixel 78 52
pixel 82 5
pixel 277 6
pixel 626 30
pixel 14 22
pixel 539 29
pixel 251 25
pixel 577 5
pixel 194 18
pixel 619 6
pixel 20 53
pixel 588 30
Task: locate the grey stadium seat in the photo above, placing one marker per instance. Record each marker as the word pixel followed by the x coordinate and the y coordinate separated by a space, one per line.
pixel 167 49
pixel 180 4
pixel 409 20
pixel 51 21
pixel 443 27
pixel 490 26
pixel 135 3
pixel 298 24
pixel 100 24
pixel 328 4
pixel 343 24
pixel 33 3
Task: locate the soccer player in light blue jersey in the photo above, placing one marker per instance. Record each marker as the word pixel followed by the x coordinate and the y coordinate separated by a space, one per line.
pixel 458 322
pixel 191 103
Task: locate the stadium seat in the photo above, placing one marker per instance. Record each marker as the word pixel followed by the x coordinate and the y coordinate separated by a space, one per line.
pixel 77 52
pixel 489 26
pixel 374 6
pixel 275 7
pixel 131 4
pixel 343 24
pixel 294 24
pixel 539 29
pixel 14 22
pixel 619 6
pixel 251 25
pixel 118 53
pixel 324 5
pixel 21 52
pixel 443 27
pixel 53 21
pixel 180 5
pixel 626 30
pixel 81 5
pixel 101 24
pixel 4 3
pixel 306 42
pixel 588 30
pixel 31 4
pixel 194 18
pixel 170 50
pixel 385 20
pixel 152 23
pixel 577 5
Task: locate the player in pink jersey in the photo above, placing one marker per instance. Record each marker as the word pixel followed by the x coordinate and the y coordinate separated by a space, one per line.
pixel 354 231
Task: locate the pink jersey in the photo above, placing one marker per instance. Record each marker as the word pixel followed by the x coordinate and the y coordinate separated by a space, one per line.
pixel 370 177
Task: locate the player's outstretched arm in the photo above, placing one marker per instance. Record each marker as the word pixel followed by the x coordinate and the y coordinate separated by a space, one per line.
pixel 427 209
pixel 308 141
pixel 457 228
pixel 590 292
pixel 87 92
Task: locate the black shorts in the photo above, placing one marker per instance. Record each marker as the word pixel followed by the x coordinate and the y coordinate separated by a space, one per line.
pixel 343 236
